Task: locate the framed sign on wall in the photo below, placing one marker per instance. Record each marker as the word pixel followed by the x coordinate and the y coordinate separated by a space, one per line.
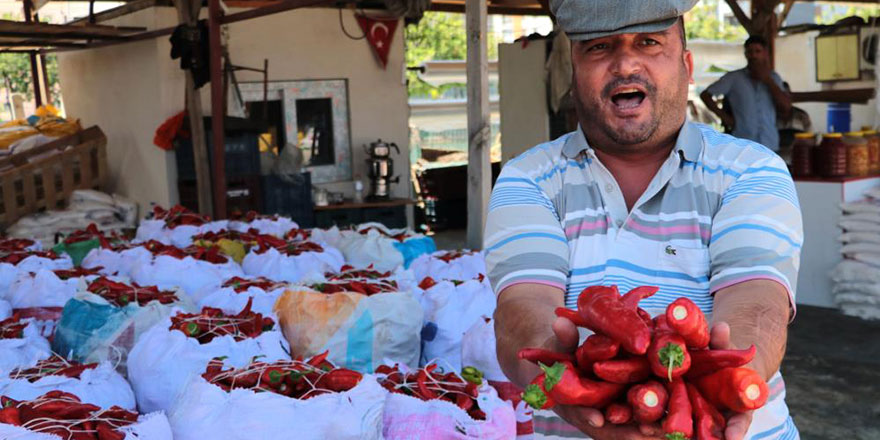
pixel 310 115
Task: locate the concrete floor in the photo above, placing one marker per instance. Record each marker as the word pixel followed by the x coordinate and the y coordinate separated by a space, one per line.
pixel 831 369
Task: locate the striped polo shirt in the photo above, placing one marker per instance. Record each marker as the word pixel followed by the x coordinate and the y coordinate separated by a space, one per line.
pixel 720 211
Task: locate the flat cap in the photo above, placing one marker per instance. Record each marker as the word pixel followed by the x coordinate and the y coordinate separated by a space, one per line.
pixel 589 19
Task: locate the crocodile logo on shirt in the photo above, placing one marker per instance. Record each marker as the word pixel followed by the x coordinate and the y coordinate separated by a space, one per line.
pixel 670 250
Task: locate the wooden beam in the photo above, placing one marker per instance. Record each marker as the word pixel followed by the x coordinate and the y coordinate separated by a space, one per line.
pixel 785 11
pixel 122 10
pixel 196 121
pixel 854 96
pixel 479 132
pixel 457 7
pixel 218 133
pixel 9 28
pixel 281 6
pixel 740 15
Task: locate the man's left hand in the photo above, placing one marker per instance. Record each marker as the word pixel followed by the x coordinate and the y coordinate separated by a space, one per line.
pixel 737 423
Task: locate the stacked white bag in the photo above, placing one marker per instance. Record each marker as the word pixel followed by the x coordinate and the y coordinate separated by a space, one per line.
pixel 25 351
pixel 33 262
pixel 101 386
pixel 164 228
pixel 857 278
pixel 232 295
pixel 164 361
pixel 293 267
pixel 449 265
pixel 270 225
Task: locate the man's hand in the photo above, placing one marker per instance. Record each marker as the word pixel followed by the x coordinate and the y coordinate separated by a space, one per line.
pixel 727 120
pixel 737 423
pixel 588 420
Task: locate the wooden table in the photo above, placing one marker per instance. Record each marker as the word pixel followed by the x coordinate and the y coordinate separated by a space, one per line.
pixel 391 213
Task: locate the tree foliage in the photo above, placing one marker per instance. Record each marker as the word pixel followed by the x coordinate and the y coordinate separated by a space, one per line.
pixel 702 23
pixel 16 67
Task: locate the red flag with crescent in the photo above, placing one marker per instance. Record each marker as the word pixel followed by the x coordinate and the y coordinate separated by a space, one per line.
pixel 379 32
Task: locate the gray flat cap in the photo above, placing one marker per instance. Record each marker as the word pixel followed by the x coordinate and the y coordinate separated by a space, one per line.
pixel 589 19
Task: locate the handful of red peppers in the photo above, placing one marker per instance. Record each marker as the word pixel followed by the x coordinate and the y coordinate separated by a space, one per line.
pixel 429 384
pixel 642 370
pixel 12 327
pixel 211 323
pixel 298 379
pixel 53 366
pixel 121 294
pixel 64 415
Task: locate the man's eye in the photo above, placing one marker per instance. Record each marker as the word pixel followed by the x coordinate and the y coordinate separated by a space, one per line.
pixel 650 42
pixel 599 46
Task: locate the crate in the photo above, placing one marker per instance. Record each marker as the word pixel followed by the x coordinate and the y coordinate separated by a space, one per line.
pixel 242 149
pixel 242 195
pixel 44 177
pixel 290 199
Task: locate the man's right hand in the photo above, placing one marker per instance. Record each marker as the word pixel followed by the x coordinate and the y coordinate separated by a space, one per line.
pixel 591 421
pixel 727 120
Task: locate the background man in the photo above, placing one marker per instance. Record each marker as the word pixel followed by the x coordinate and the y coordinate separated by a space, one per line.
pixel 755 93
pixel 604 204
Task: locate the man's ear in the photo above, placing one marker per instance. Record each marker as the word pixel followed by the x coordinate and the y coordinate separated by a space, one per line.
pixel 688 59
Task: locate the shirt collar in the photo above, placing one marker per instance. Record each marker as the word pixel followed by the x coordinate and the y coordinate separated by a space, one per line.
pixel 689 143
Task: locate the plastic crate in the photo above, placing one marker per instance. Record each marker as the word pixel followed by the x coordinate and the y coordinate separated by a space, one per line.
pixel 242 149
pixel 290 199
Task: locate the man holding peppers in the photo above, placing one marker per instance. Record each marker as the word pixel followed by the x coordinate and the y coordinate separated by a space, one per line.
pixel 640 196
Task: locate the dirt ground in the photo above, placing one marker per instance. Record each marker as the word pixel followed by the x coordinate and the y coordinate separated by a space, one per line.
pixel 832 375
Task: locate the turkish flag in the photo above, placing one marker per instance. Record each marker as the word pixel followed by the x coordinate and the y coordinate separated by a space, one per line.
pixel 379 32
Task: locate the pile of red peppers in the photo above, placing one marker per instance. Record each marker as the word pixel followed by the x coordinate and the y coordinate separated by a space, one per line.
pixel 121 294
pixel 12 327
pixel 15 257
pixel 211 323
pixel 348 272
pixel 77 272
pixel 15 244
pixel 240 285
pixel 179 216
pixel 399 237
pixel 641 370
pixel 299 379
pixel 91 232
pixel 364 287
pixel 210 255
pixel 429 384
pixel 429 282
pixel 452 255
pixel 53 366
pixel 63 414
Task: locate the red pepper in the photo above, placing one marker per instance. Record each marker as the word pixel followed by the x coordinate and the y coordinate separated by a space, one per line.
pixel 646 317
pixel 737 389
pixel 572 315
pixel 598 348
pixel 536 395
pixel 427 283
pixel 632 370
pixel 618 413
pixel 709 422
pixel 704 362
pixel 10 416
pixel 679 422
pixel 661 326
pixel 648 401
pixel 567 388
pixel 688 321
pixel 634 296
pixel 668 356
pixel 604 311
pixel 339 380
pixel 543 356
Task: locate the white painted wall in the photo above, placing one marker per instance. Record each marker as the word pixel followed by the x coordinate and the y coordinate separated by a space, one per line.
pixel 130 89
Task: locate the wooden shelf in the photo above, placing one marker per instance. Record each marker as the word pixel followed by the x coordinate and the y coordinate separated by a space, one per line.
pixel 367 205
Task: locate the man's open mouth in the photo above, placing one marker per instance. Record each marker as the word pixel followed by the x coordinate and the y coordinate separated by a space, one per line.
pixel 627 97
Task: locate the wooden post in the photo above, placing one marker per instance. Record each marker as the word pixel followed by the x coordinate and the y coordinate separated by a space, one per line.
pixel 217 105
pixel 35 75
pixel 188 13
pixel 479 133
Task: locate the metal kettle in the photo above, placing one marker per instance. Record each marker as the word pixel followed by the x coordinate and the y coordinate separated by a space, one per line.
pixel 380 149
pixel 381 168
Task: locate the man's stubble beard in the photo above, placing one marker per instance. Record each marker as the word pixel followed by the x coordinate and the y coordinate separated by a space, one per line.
pixel 628 136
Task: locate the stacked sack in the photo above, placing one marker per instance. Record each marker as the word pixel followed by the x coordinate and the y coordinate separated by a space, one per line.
pixel 377 245
pixel 856 289
pixel 111 213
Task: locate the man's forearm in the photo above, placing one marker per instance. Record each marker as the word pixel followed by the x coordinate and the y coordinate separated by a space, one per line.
pixel 781 99
pixel 758 313
pixel 524 318
pixel 713 107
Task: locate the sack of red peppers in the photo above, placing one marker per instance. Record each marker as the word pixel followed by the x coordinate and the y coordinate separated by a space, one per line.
pixel 95 383
pixel 231 295
pixel 301 398
pixel 444 404
pixel 18 258
pixel 172 352
pixel 176 226
pixel 643 370
pixel 105 320
pixel 291 259
pixel 361 322
pixel 47 288
pixel 21 344
pixel 449 265
pixel 57 415
pixel 190 268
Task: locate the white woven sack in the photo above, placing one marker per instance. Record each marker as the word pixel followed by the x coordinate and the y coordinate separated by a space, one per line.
pixel 101 386
pixel 23 352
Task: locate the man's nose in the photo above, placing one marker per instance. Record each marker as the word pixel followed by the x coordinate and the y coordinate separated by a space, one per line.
pixel 625 63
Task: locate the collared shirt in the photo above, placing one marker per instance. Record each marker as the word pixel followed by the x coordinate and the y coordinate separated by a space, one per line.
pixel 720 211
pixel 754 112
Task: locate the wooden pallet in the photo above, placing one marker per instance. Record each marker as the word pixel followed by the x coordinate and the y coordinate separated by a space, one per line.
pixel 44 177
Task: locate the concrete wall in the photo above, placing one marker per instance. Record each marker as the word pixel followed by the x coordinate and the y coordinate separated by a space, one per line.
pixel 523 89
pixel 130 89
pixel 796 63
